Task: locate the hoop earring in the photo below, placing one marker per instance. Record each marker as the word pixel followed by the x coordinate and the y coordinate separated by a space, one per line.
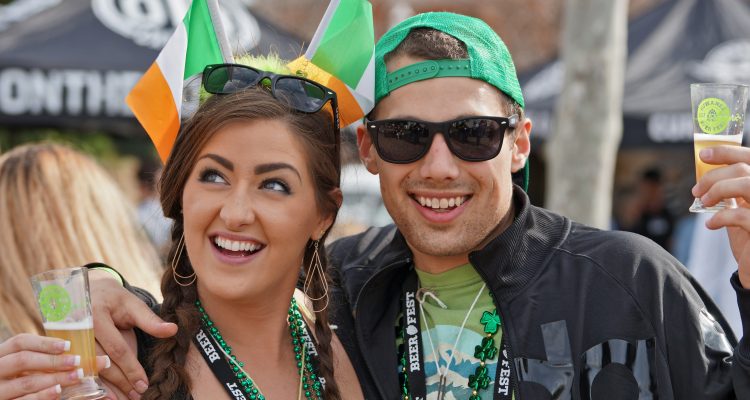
pixel 316 267
pixel 176 259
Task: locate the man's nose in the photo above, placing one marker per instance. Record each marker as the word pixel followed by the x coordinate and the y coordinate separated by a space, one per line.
pixel 439 163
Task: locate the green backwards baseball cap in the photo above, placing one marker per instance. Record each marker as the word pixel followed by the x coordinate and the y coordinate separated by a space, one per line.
pixel 489 60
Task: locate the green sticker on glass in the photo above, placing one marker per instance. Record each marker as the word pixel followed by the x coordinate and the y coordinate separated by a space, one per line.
pixel 713 115
pixel 54 301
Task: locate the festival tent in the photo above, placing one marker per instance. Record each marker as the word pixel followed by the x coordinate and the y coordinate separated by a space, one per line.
pixel 678 43
pixel 70 63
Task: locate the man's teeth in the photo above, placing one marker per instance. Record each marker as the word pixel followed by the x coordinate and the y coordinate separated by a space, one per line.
pixel 436 203
pixel 235 245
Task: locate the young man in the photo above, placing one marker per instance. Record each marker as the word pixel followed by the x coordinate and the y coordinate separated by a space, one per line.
pixel 490 296
pixel 475 293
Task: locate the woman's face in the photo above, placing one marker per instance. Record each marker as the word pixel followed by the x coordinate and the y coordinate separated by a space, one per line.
pixel 249 209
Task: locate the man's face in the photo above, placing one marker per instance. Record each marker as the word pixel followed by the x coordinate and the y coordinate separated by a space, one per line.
pixel 444 206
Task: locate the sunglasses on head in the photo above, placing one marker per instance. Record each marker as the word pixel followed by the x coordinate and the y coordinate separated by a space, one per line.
pixel 301 94
pixel 403 141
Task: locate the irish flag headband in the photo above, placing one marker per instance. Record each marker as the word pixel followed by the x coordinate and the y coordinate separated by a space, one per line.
pixel 340 57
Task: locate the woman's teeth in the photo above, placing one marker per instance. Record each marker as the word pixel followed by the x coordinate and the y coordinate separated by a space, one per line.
pixel 236 245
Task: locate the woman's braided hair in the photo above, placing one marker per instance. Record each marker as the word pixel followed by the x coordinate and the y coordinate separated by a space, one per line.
pixel 166 362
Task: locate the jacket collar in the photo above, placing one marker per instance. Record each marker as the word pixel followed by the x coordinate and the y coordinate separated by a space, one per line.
pixel 516 255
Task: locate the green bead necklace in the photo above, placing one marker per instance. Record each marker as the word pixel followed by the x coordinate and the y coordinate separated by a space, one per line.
pixel 311 385
pixel 487 350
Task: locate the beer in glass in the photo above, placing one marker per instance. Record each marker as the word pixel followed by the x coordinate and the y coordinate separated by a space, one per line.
pixel 718 119
pixel 63 299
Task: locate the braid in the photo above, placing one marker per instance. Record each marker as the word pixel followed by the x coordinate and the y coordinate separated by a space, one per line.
pixel 166 361
pixel 323 332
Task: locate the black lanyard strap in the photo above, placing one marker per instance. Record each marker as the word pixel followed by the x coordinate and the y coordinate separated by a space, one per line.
pixel 217 362
pixel 414 365
pixel 413 341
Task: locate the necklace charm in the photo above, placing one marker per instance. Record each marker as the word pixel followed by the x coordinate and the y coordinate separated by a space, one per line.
pixel 480 380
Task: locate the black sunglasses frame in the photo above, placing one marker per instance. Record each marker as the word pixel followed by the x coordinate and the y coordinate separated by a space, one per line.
pixel 330 95
pixel 433 128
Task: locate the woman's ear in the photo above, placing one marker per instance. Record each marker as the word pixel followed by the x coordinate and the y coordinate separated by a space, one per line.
pixel 327 220
pixel 337 196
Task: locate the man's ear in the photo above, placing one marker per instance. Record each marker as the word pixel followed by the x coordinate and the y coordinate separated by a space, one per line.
pixel 367 152
pixel 521 145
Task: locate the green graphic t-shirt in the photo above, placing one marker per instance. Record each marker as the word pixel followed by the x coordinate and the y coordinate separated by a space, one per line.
pixel 456 289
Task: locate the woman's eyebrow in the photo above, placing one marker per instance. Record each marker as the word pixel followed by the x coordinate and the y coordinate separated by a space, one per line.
pixel 270 167
pixel 219 159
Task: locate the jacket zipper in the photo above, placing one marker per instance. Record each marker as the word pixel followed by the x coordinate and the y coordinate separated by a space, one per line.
pixel 360 340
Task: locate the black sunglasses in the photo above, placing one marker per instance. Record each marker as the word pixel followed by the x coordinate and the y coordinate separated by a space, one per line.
pixel 403 141
pixel 299 93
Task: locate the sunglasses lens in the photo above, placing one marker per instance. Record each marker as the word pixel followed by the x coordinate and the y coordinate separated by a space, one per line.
pixel 300 94
pixel 229 79
pixel 476 139
pixel 401 141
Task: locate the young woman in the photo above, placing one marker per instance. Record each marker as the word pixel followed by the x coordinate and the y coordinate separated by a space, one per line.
pixel 252 186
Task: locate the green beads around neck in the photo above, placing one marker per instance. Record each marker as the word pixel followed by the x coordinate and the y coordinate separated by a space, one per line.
pixel 311 385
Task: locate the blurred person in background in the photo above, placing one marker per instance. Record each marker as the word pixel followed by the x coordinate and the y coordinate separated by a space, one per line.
pixel 652 217
pixel 710 260
pixel 60 209
pixel 150 215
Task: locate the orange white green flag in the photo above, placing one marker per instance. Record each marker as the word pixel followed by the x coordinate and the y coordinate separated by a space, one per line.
pixel 341 56
pixel 156 100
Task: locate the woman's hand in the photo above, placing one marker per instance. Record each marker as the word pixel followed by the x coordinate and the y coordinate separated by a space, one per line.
pixel 34 367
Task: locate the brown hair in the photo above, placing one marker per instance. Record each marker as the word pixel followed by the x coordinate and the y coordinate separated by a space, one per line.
pixel 315 131
pixel 432 44
pixel 60 209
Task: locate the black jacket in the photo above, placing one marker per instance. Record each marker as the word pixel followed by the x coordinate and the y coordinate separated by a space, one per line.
pixel 589 314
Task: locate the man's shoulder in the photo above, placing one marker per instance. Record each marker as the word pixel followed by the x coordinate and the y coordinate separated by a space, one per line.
pixel 623 255
pixel 355 259
pixel 582 240
pixel 588 240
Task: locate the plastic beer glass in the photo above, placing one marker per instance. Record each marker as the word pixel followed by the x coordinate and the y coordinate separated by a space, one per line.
pixel 63 299
pixel 718 119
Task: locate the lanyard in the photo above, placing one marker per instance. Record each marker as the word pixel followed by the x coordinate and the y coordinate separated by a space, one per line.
pixel 212 354
pixel 413 350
